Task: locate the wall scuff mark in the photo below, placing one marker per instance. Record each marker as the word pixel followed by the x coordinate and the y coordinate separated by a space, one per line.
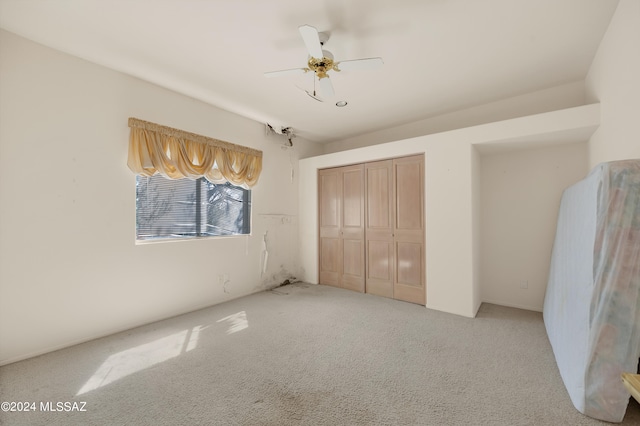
pixel 278 258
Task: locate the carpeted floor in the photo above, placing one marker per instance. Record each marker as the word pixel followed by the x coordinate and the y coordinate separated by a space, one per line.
pixel 304 355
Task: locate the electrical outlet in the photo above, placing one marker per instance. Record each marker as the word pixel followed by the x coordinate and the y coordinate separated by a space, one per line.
pixel 524 284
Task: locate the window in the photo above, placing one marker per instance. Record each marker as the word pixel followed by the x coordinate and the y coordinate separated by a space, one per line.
pixel 185 208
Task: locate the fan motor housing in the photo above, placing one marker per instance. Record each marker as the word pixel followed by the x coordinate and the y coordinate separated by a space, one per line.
pixel 322 65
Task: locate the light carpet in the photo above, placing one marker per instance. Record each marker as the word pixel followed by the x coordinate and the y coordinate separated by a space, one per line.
pixel 305 355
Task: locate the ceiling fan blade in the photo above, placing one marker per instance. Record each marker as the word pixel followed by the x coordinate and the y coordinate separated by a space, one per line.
pixel 360 64
pixel 311 40
pixel 285 72
pixel 326 87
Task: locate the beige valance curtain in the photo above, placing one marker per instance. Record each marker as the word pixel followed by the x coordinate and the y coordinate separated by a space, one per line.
pixel 178 154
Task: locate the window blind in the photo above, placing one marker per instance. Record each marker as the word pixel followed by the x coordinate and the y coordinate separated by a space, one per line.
pixel 186 208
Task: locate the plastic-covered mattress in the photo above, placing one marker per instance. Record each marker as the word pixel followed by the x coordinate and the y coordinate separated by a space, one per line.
pixel 592 302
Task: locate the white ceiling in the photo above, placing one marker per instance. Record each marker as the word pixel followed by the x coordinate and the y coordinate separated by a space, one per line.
pixel 439 55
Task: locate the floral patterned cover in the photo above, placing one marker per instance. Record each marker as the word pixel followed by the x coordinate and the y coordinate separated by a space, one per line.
pixel 592 303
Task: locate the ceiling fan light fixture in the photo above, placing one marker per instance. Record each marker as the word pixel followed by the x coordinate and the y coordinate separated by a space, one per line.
pixel 341 104
pixel 321 62
pixel 321 66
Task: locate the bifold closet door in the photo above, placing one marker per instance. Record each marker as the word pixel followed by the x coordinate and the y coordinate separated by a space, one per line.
pixel 394 229
pixel 341 218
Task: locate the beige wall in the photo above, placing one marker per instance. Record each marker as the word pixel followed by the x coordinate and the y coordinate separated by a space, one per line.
pixel 521 193
pixel 614 81
pixel 69 267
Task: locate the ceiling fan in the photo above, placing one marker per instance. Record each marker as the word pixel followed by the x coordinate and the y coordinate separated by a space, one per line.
pixel 321 61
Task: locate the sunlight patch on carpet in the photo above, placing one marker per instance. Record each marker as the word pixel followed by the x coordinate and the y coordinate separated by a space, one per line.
pixel 130 361
pixel 237 322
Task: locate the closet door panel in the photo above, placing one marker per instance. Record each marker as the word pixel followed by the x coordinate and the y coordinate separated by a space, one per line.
pixel 352 198
pixel 329 199
pixel 409 282
pixel 380 260
pixel 353 261
pixel 408 176
pixel 379 268
pixel 353 264
pixel 329 261
pixel 329 190
pixel 352 231
pixel 409 264
pixel 379 204
pixel 379 228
